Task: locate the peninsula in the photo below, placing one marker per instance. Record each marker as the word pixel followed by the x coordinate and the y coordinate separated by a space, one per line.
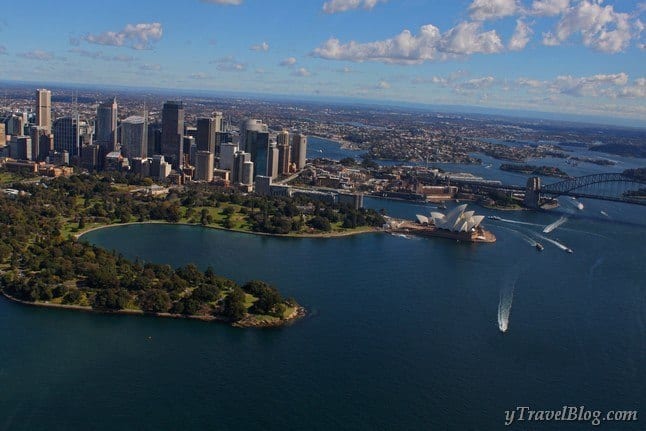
pixel 44 262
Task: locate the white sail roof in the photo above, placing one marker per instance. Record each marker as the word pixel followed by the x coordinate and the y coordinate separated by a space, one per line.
pixel 456 220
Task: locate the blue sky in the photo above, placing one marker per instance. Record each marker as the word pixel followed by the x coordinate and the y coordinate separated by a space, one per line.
pixel 570 56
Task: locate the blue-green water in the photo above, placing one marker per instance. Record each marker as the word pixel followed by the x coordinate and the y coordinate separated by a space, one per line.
pixel 402 334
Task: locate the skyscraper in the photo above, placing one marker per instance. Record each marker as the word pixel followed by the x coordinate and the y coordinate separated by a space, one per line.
pixel 66 135
pixel 227 155
pixel 106 126
pixel 134 137
pixel 44 108
pixel 284 150
pixel 172 133
pixel 204 166
pixel 299 150
pixel 272 160
pixel 254 139
pixel 206 129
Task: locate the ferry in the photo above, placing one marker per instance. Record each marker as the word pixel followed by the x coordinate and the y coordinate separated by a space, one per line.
pixel 494 218
pixel 539 246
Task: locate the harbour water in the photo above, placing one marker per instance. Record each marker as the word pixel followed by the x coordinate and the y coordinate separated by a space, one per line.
pixel 402 333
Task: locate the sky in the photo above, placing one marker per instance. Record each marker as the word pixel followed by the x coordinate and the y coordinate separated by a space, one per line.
pixel 565 56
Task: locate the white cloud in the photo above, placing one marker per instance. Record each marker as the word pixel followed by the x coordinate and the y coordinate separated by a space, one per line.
pixel 37 54
pixel 527 82
pixel 405 48
pixel 264 47
pixel 637 89
pixel 302 72
pixel 521 36
pixel 229 64
pixel 601 28
pixel 476 84
pixel 224 2
pixel 335 6
pixel 481 10
pixel 549 7
pixel 466 39
pixel 290 61
pixel 136 36
pixel 591 86
pixel 150 67
pixel 383 85
pixel 199 76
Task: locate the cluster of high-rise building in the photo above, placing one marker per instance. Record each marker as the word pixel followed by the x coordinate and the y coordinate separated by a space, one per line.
pixel 205 151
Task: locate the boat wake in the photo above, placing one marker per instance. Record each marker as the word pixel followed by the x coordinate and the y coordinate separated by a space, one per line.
pixel 504 306
pixel 518 222
pixel 550 227
pixel 556 243
pixel 525 238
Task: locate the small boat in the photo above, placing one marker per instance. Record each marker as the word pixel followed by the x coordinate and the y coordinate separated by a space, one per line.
pixel 568 250
pixel 494 218
pixel 442 206
pixel 603 213
pixel 539 246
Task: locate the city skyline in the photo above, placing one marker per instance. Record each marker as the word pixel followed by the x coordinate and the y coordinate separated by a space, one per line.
pixel 574 57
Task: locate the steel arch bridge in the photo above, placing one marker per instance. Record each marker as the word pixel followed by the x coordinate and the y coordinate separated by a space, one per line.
pixel 609 187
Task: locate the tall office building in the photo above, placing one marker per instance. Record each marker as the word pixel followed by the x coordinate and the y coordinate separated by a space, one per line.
pixel 238 166
pixel 66 135
pixel 204 166
pixel 134 137
pixel 284 152
pixel 254 139
pixel 172 147
pixel 206 129
pixel 14 125
pixel 105 134
pixel 42 142
pixel 218 122
pixel 20 148
pixel 272 160
pixel 299 150
pixel 44 108
pixel 227 155
pixel 3 135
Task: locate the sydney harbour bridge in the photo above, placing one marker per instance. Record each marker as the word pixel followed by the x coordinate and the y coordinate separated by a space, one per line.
pixel 614 187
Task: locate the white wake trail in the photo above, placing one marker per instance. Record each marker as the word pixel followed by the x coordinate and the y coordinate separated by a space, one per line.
pixel 550 227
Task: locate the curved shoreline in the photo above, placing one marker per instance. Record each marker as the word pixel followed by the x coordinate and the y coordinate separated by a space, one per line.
pixel 276 235
pixel 246 322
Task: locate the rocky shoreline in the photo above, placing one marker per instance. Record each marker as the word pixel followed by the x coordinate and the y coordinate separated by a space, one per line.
pixel 249 321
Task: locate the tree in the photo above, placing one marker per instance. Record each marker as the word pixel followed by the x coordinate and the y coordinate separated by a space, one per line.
pixel 110 299
pixel 320 223
pixel 234 308
pixel 154 301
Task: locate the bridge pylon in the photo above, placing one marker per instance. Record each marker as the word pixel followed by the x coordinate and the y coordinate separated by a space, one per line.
pixel 533 193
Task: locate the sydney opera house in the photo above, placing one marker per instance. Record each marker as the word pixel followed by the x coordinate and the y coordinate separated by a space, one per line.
pixel 457 224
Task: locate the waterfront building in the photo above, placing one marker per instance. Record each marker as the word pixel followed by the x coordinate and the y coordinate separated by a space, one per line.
pixel 134 137
pixel 44 108
pixel 299 150
pixel 204 166
pixel 105 134
pixel 456 220
pixel 172 133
